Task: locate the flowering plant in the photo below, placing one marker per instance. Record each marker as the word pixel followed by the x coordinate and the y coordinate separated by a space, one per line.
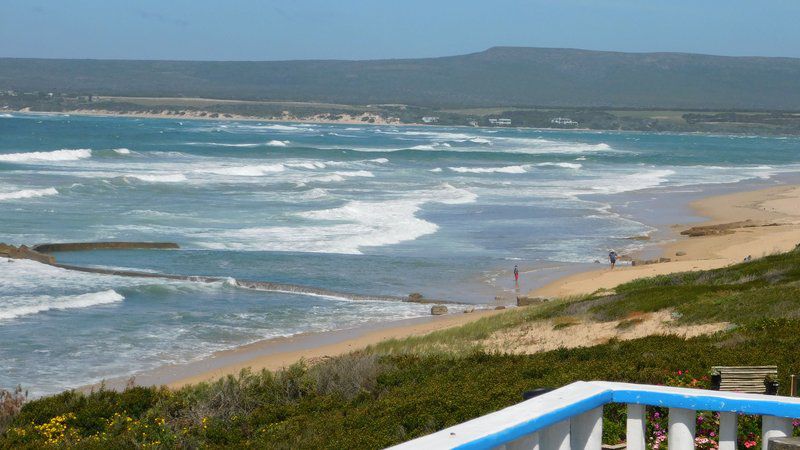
pixel 707 425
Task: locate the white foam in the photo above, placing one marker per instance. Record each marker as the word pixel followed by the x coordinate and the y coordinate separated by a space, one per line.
pixel 315 193
pixel 311 165
pixel 356 173
pixel 57 155
pixel 435 170
pixel 158 178
pixel 348 228
pixel 328 179
pixel 6 116
pixel 379 160
pixel 634 182
pixel 564 165
pixel 275 143
pixel 245 171
pixel 505 169
pixel 25 306
pixel 27 193
pixel 122 151
pixel 480 140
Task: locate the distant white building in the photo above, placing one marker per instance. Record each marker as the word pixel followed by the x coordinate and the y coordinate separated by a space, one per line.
pixel 501 122
pixel 430 119
pixel 563 121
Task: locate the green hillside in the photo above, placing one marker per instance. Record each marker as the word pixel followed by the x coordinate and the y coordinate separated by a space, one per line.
pixel 500 76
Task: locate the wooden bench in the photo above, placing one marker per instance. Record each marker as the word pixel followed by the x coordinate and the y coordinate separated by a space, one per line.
pixel 743 378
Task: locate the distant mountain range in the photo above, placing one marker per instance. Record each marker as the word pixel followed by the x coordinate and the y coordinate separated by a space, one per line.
pixel 500 76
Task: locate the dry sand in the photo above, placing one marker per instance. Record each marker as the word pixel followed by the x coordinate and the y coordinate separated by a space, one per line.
pixel 725 245
pixel 545 335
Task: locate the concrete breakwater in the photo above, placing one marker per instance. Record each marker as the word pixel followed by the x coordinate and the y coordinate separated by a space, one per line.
pixel 39 254
pixel 85 246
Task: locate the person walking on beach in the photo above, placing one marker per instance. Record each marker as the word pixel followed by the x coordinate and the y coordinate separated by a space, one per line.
pixel 516 275
pixel 612 256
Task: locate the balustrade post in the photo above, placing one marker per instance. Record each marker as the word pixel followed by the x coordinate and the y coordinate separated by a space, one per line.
pixel 586 430
pixel 529 442
pixel 681 429
pixel 635 427
pixel 773 427
pixel 727 431
pixel 556 436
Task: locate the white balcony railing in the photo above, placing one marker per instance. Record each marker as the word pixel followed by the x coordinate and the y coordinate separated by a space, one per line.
pixel 572 418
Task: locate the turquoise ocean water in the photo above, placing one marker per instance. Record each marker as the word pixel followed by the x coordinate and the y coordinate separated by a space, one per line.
pixel 355 209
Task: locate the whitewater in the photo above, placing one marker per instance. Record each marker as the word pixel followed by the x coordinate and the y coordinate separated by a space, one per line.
pixel 378 211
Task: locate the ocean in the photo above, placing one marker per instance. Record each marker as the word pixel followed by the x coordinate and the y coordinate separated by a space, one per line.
pixel 353 209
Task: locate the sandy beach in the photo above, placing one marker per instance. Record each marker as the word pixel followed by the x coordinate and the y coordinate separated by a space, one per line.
pixel 755 223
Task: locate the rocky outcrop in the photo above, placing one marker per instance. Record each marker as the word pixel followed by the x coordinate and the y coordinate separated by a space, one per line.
pixel 23 252
pixel 438 310
pixel 85 246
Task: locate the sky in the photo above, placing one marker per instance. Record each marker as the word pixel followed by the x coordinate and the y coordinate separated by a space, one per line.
pixel 376 29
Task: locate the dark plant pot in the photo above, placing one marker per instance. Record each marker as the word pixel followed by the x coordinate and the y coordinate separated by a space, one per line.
pixel 772 387
pixel 716 381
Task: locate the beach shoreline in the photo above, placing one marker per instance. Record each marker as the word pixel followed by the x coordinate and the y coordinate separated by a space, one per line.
pixel 752 223
pixel 768 222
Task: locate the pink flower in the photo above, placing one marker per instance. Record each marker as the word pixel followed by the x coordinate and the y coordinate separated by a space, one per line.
pixel 712 434
pixel 749 444
pixel 656 415
pixel 680 372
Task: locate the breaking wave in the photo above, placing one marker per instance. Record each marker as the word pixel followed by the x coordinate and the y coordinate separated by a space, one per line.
pixel 160 178
pixel 54 156
pixel 26 306
pixel 27 193
pixel 346 229
pixel 506 169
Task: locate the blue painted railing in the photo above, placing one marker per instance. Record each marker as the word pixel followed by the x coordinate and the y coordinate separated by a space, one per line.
pixel 571 418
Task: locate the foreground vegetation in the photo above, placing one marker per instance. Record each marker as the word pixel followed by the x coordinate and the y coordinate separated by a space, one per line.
pixel 407 388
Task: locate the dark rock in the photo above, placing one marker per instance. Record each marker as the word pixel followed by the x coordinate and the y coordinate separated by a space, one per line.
pixel 415 297
pixel 680 253
pixel 23 252
pixel 499 307
pixel 438 310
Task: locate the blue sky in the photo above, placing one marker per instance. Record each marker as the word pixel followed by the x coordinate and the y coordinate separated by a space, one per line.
pixel 360 29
